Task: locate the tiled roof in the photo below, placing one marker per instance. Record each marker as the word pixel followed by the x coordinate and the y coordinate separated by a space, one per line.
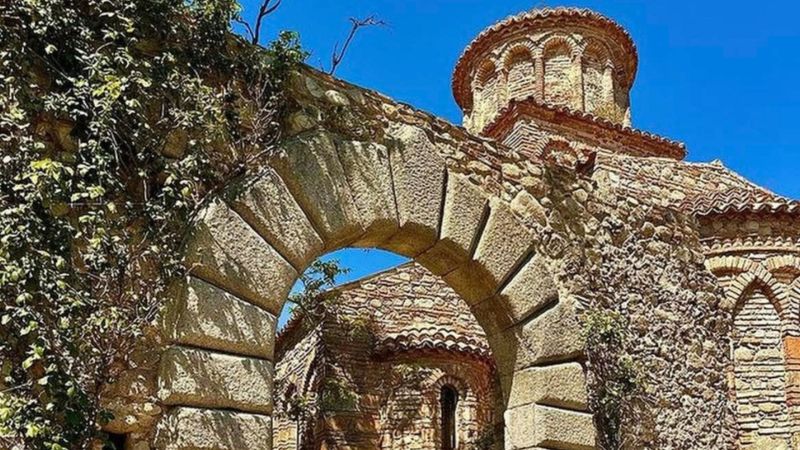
pixel 433 339
pixel 507 116
pixel 701 189
pixel 461 89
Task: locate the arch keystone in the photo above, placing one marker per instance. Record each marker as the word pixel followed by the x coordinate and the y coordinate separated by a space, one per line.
pixel 463 216
pixel 368 173
pixel 419 181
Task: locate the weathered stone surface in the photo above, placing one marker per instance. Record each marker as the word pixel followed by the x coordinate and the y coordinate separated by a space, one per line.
pixel 554 336
pixel 208 317
pixel 369 175
pixel 530 290
pixel 208 429
pixel 265 203
pixel 310 167
pixel 192 377
pixel 419 180
pixel 542 426
pixel 464 208
pixel 472 282
pixel 225 251
pixel 561 385
pixel 504 244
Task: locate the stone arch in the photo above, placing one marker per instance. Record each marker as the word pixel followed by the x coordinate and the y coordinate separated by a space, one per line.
pixel 321 193
pixel 558 54
pixel 759 278
pixel 597 74
pixel 724 265
pixel 487 89
pixel 460 385
pixel 471 403
pixel 786 268
pixel 520 68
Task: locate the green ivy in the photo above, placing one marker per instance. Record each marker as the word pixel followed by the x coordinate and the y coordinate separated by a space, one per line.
pixel 617 379
pixel 117 118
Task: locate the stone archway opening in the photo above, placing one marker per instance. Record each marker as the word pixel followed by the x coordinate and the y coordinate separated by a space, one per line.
pixel 324 193
pixel 369 355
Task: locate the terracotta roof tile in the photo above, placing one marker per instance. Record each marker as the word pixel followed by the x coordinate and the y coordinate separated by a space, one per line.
pixel 433 339
pixel 507 117
pixel 701 189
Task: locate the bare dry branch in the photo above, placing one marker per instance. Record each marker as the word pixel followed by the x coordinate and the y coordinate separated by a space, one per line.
pixel 356 24
pixel 266 8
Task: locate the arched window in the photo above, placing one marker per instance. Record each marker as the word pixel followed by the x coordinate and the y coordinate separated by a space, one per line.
pixel 559 86
pixel 449 402
pixel 521 77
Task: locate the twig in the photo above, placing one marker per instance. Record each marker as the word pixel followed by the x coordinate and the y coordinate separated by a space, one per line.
pixel 356 24
pixel 267 7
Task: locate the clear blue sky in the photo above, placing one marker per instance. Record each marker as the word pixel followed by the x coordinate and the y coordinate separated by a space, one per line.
pixel 720 76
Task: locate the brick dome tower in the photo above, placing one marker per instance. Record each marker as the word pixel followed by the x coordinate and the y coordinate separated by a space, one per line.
pixel 563 57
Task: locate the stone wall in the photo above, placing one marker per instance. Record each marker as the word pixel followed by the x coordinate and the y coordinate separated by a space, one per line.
pixel 529 247
pixel 755 259
pixel 299 354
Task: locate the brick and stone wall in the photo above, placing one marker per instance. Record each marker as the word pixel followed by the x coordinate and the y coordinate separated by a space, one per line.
pixel 755 257
pixel 562 57
pixel 395 339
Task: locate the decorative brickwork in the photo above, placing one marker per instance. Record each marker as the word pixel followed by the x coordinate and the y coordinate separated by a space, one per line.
pixel 411 336
pixel 563 57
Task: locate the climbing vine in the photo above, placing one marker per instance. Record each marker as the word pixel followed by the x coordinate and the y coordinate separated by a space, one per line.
pixel 117 119
pixel 616 379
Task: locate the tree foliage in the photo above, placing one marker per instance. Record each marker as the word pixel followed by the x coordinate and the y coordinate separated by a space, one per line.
pixel 117 118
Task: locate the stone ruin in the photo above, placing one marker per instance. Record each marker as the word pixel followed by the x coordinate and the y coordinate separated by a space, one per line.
pixel 547 206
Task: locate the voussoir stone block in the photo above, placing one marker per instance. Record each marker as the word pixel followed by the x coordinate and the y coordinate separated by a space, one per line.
pixel 418 171
pixel 369 175
pixel 464 208
pixel 542 426
pixel 193 377
pixel 530 290
pixel 561 385
pixel 207 429
pixel 505 242
pixel 311 169
pixel 265 203
pixel 553 336
pixel 224 250
pixel 205 316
